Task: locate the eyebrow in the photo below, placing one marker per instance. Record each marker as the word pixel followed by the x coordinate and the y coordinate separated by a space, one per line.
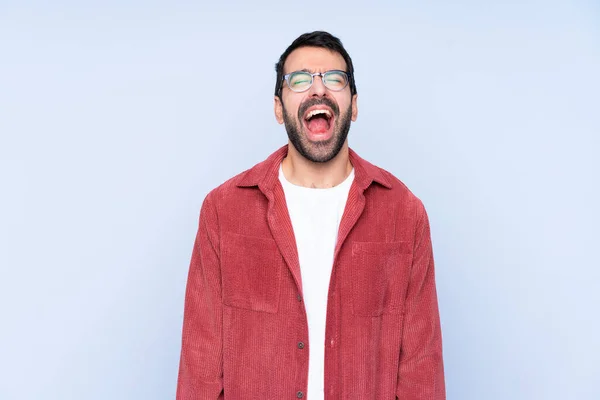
pixel 310 71
pixel 301 70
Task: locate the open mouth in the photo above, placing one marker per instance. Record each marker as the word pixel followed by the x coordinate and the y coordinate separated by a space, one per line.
pixel 319 121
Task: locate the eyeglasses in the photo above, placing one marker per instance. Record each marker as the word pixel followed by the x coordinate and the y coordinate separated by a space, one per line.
pixel 301 81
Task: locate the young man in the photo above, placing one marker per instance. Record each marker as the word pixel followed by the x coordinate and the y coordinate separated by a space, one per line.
pixel 312 274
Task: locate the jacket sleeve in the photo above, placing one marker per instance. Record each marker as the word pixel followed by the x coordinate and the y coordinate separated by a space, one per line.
pixel 421 368
pixel 201 363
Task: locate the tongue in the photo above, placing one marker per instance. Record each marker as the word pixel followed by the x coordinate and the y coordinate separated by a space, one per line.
pixel 318 125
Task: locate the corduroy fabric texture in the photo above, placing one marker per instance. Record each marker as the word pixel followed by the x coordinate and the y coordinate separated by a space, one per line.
pixel 244 317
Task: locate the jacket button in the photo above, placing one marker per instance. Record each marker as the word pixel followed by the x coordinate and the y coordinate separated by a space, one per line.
pixel 300 345
pixel 299 395
pixel 299 297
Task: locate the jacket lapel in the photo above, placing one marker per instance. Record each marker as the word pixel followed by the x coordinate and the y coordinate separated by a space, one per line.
pixel 281 228
pixel 265 175
pixel 355 204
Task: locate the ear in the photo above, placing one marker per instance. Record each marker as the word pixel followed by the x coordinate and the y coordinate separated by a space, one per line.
pixel 278 108
pixel 354 107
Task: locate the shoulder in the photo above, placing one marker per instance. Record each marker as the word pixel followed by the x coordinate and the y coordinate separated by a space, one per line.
pixel 243 186
pixel 228 188
pixel 398 192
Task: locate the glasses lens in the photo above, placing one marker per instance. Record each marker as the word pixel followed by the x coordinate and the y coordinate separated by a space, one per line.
pixel 335 80
pixel 300 81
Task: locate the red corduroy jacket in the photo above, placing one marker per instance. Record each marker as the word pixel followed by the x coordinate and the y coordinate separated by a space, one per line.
pixel 244 316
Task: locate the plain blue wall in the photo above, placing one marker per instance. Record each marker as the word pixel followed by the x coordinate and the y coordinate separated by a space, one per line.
pixel 116 119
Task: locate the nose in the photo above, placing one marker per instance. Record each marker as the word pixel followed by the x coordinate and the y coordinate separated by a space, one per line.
pixel 317 88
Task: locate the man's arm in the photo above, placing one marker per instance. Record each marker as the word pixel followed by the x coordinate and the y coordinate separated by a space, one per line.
pixel 201 365
pixel 421 371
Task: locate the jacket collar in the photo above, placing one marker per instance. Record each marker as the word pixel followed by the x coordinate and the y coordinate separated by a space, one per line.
pixel 266 173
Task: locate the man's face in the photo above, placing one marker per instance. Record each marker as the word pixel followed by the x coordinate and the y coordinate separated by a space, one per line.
pixel 320 138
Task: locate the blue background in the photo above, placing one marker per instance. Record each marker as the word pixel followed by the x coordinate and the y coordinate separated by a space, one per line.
pixel 116 119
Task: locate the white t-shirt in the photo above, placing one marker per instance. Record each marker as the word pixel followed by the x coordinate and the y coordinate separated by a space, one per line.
pixel 316 216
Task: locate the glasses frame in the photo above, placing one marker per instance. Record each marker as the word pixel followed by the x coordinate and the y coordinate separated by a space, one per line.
pixel 286 78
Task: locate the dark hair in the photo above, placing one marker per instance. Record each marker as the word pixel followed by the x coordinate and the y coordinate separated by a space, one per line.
pixel 315 39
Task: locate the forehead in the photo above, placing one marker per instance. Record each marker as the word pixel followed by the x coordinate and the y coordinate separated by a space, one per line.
pixel 314 59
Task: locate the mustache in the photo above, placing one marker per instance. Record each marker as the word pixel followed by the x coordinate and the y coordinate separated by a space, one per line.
pixel 314 102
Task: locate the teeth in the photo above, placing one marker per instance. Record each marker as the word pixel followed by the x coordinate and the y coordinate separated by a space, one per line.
pixel 315 112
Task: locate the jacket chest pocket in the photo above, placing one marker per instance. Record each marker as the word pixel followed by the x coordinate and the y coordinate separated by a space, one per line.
pixel 251 272
pixel 380 273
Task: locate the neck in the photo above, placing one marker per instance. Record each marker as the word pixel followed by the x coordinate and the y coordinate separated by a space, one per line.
pixel 302 172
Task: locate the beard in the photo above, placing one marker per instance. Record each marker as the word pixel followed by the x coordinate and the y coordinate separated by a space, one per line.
pixel 324 150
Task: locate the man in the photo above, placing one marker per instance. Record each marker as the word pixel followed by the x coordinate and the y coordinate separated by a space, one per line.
pixel 312 273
